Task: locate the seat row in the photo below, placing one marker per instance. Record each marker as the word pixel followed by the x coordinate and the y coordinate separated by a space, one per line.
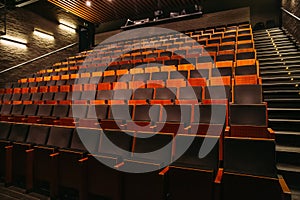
pixel 48 156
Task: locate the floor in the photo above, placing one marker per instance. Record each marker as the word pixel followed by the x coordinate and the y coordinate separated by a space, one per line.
pixel 13 193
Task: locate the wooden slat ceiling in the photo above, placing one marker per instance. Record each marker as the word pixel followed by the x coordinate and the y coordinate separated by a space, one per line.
pixel 109 10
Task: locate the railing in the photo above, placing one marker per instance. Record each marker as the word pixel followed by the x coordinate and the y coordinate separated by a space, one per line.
pixel 291 14
pixel 37 58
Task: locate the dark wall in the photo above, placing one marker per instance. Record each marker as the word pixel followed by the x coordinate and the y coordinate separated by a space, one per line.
pixel 20 24
pixel 290 23
pixel 260 10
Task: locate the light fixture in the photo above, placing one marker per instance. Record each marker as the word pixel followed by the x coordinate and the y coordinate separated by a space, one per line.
pixel 88 3
pixel 14 41
pixel 43 34
pixel 66 26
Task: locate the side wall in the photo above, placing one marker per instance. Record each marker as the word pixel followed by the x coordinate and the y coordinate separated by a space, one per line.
pixel 290 23
pixel 20 25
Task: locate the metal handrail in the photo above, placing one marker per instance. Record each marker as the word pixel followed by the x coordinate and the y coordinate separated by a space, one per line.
pixel 291 14
pixel 37 58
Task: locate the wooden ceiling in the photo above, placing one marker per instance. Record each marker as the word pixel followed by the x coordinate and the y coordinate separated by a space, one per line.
pixel 108 10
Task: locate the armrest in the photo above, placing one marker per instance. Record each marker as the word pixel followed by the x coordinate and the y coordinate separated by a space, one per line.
pixel 83 160
pixel 119 165
pixel 271 131
pixel 29 150
pixel 164 171
pixel 219 176
pixel 227 131
pixel 187 128
pixel 54 155
pixel 284 188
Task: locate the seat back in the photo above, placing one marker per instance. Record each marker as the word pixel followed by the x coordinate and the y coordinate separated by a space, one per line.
pixel 210 114
pixel 177 113
pixel 146 113
pixel 165 93
pixel 248 94
pixel 120 112
pixel 60 137
pixel 250 115
pixel 153 143
pixel 191 156
pixel 250 156
pixel 85 139
pixel 38 134
pixel 18 132
pixel 116 142
pixel 4 130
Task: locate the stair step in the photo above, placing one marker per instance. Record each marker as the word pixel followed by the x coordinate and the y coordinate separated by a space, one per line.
pixel 284 124
pixel 290 174
pixel 283 103
pixel 287 138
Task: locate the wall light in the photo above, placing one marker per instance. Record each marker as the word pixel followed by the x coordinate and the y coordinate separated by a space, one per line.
pixel 43 34
pixel 67 27
pixel 13 41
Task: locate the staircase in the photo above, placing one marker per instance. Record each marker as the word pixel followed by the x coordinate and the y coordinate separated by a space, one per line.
pixel 279 60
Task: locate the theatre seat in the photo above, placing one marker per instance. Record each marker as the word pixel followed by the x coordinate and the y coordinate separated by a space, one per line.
pixel 191 176
pixel 72 169
pixel 250 170
pixel 4 133
pixel 150 164
pixel 23 155
pixel 45 159
pixel 103 179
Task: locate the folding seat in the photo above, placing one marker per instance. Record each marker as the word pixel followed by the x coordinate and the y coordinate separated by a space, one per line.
pixel 4 134
pixel 252 164
pixel 88 95
pixel 102 97
pixel 148 163
pixel 210 50
pixel 104 86
pixel 144 118
pixel 114 146
pixel 205 62
pixel 174 62
pixel 221 93
pixel 174 119
pixel 18 133
pixel 189 95
pixel 95 114
pixel 247 79
pixel 157 79
pixel 120 97
pixel 179 75
pixel 141 96
pixel 48 98
pixel 197 173
pixel 42 111
pixel 117 116
pixel 45 178
pixel 6 98
pixel 245 38
pixel 246 46
pixel 224 72
pixel 60 96
pixel 164 96
pixel 209 119
pixel 221 80
pixel 109 79
pixel 76 112
pixel 229 39
pixel 15 98
pixel 247 67
pixel 59 112
pixel 5 111
pixel 36 98
pixel 198 77
pixel 70 163
pixel 214 41
pixel 225 60
pixel 168 68
pixel 23 154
